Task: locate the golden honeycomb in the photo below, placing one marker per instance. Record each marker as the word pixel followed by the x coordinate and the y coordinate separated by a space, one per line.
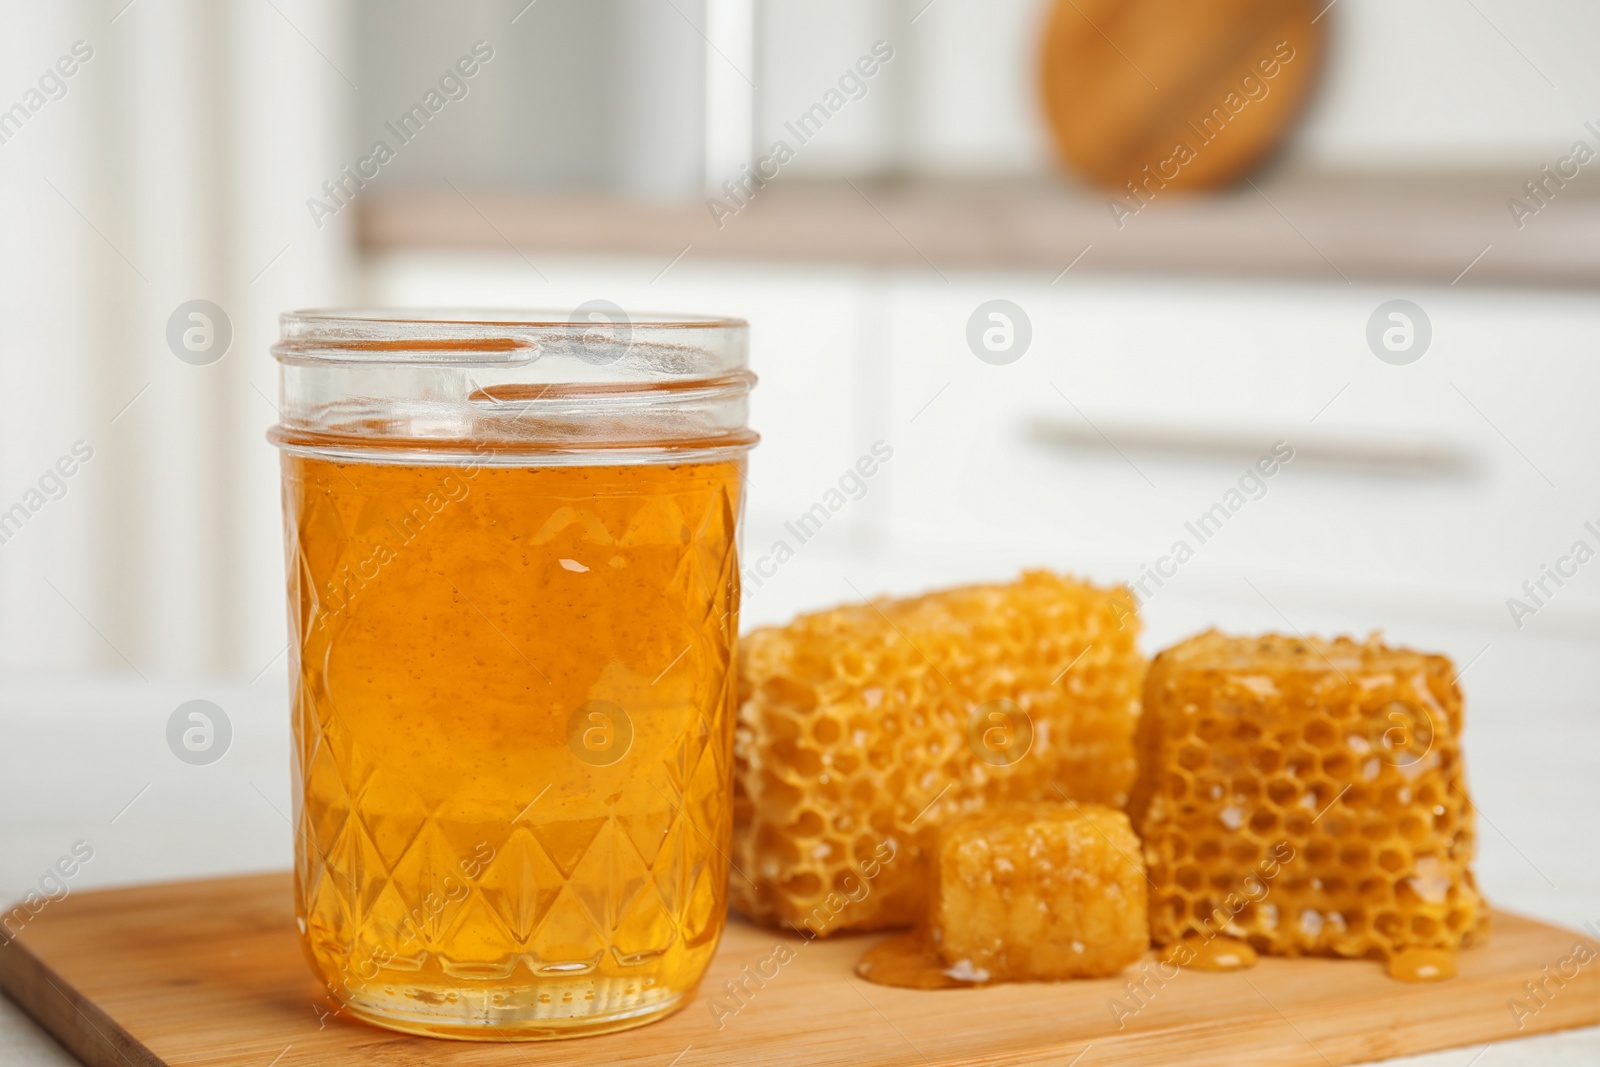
pixel 1307 796
pixel 863 728
pixel 1039 891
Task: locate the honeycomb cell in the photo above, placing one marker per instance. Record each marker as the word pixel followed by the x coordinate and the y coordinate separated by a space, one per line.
pixel 809 824
pixel 1040 891
pixel 1359 814
pixel 934 707
pixel 826 731
pixel 1263 822
pixel 1338 765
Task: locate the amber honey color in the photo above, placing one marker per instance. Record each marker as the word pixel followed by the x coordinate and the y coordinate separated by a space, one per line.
pixel 513 719
pixel 864 728
pixel 1307 797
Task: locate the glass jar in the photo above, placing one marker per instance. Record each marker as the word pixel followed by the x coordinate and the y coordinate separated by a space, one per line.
pixel 513 597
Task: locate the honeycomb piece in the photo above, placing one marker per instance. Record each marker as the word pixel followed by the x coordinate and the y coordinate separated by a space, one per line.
pixel 863 728
pixel 1306 796
pixel 1041 891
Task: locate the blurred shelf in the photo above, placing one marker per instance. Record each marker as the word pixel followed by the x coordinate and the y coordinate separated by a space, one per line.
pixel 1428 228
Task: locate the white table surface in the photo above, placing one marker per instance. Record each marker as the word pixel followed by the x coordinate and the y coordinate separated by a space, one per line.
pixel 78 751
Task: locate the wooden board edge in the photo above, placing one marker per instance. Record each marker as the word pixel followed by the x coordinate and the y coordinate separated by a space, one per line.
pixel 1297 1039
pixel 1432 1029
pixel 81 1027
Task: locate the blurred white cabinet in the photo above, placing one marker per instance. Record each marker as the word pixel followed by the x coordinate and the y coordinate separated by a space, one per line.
pixel 1429 491
pixel 1141 405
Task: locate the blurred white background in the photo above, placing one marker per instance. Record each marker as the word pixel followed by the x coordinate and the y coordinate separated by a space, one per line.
pixel 177 162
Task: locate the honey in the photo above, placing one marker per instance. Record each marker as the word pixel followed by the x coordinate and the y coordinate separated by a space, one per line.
pixel 1422 965
pixel 1307 797
pixel 1039 892
pixel 513 716
pixel 864 728
pixel 513 597
pixel 1210 954
pixel 912 961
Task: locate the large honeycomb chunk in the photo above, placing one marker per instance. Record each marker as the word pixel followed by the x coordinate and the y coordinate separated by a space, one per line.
pixel 1307 796
pixel 863 728
pixel 1042 891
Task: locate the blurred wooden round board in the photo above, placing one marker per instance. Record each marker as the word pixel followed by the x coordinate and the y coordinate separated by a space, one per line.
pixel 1173 95
pixel 210 973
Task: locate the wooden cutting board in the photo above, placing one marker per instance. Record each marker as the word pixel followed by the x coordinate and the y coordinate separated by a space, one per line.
pixel 210 973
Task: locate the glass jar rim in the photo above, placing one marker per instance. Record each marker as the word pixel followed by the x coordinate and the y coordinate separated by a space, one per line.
pixel 458 335
pixel 423 384
pixel 494 316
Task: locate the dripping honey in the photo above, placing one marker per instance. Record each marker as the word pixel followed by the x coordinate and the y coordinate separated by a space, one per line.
pixel 1422 965
pixel 1199 953
pixel 513 727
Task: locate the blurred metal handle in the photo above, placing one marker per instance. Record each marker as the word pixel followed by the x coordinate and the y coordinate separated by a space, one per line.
pixel 1372 452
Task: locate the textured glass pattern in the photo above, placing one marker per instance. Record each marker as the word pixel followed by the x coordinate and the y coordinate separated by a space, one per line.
pixel 513 720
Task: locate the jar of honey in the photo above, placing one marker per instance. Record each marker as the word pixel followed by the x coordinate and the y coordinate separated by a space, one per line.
pixel 513 597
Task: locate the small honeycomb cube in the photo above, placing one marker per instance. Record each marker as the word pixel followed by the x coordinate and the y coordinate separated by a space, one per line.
pixel 1040 891
pixel 863 728
pixel 1307 796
